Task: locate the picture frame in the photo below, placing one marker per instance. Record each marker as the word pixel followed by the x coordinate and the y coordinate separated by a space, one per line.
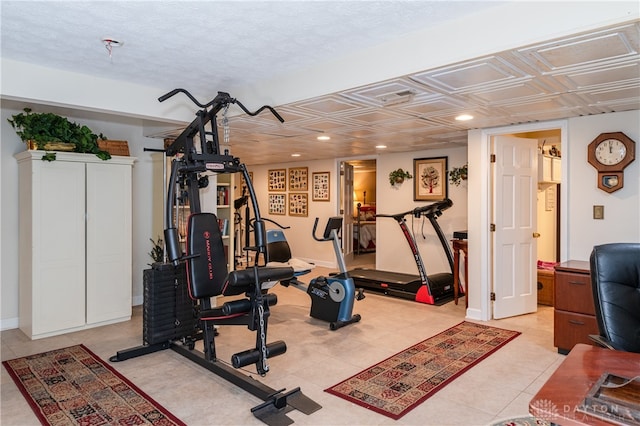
pixel 298 204
pixel 278 204
pixel 299 179
pixel 431 183
pixel 320 186
pixel 277 180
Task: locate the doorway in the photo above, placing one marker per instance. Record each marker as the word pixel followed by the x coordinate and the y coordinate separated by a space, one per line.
pixel 526 212
pixel 359 208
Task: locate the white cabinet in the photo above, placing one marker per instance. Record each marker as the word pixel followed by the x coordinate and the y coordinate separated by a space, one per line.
pixel 549 169
pixel 75 242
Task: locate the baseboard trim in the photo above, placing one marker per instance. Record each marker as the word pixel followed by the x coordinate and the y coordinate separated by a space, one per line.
pixel 9 324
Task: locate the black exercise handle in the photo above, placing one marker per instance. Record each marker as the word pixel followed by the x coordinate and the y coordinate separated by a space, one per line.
pixel 435 208
pixel 333 224
pixel 253 114
pixel 315 226
pixel 269 220
pixel 227 99
pixel 186 92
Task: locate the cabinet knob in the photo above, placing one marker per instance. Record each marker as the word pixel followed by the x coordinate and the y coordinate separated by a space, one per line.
pixel 536 235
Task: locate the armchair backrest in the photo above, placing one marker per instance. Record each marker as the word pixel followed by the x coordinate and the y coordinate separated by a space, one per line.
pixel 615 279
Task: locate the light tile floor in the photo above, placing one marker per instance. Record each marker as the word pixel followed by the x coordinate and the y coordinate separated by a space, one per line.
pixel 499 387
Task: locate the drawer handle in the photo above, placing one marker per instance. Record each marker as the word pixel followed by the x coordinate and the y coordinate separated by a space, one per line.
pixel 577 282
pixel 575 322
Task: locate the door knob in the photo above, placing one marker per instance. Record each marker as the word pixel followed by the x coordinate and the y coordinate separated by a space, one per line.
pixel 536 235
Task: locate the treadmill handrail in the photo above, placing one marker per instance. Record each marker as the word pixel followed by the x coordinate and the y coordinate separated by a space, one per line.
pixel 430 210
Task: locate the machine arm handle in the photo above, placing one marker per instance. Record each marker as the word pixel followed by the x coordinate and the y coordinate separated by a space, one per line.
pixel 225 98
pixel 186 92
pixel 273 111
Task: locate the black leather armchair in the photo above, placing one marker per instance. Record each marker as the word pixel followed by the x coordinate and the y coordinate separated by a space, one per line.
pixel 615 279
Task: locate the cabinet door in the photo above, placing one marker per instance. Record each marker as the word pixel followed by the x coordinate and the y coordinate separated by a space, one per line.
pixel 108 242
pixel 58 288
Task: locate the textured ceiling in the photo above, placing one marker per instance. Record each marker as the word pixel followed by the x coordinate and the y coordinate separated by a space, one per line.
pixel 167 43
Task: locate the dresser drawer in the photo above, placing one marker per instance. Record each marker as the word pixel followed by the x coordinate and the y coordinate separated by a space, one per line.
pixel 571 328
pixel 573 293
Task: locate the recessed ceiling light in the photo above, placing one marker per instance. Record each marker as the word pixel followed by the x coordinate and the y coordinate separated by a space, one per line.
pixel 323 138
pixel 381 146
pixel 295 155
pixel 464 117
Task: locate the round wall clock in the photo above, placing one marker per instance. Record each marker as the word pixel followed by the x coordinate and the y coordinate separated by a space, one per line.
pixel 610 154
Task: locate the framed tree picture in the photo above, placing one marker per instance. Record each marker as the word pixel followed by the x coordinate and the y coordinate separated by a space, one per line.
pixel 298 204
pixel 320 186
pixel 298 179
pixel 277 204
pixel 277 180
pixel 430 179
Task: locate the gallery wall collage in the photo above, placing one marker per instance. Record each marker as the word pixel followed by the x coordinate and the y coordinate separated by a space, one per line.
pixel 289 190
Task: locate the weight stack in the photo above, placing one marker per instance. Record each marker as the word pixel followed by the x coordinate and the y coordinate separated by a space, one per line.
pixel 168 310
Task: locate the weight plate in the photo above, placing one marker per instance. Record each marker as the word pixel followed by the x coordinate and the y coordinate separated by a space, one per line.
pixel 337 291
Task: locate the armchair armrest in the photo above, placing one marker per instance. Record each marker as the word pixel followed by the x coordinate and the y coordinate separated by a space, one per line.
pixel 601 341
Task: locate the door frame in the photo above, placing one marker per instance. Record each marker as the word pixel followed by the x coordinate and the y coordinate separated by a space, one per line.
pixel 342 196
pixel 479 209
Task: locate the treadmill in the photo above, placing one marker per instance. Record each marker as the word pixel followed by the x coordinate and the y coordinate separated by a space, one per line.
pixel 435 289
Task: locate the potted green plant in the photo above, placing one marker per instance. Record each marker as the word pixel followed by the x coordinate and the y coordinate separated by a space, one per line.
pixel 157 250
pixel 51 132
pixel 458 174
pixel 398 176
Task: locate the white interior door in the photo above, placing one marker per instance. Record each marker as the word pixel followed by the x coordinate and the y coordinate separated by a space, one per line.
pixel 347 209
pixel 515 218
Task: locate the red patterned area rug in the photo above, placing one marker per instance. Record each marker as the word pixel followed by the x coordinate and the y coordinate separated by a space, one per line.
pixel 400 383
pixel 73 386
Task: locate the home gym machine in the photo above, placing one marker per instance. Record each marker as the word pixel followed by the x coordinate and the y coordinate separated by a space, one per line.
pixel 435 289
pixel 177 308
pixel 332 297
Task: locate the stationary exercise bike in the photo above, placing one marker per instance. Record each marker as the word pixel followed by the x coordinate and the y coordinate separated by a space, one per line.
pixel 332 297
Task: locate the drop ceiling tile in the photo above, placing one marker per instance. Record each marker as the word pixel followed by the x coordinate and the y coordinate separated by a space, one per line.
pixel 583 50
pixel 508 93
pixel 374 116
pixel 428 106
pixel 621 93
pixel 622 72
pixel 389 93
pixel 484 72
pixel 324 105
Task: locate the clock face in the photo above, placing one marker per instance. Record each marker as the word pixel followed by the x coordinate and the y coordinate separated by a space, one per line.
pixel 610 152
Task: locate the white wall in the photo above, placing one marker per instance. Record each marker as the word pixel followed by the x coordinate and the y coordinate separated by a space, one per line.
pixel 392 250
pixel 119 128
pixel 579 232
pixel 302 244
pixel 621 208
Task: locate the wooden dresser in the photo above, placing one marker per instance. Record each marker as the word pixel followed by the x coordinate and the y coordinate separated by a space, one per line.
pixel 574 312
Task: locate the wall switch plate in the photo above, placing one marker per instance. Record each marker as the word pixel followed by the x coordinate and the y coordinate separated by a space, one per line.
pixel 598 212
